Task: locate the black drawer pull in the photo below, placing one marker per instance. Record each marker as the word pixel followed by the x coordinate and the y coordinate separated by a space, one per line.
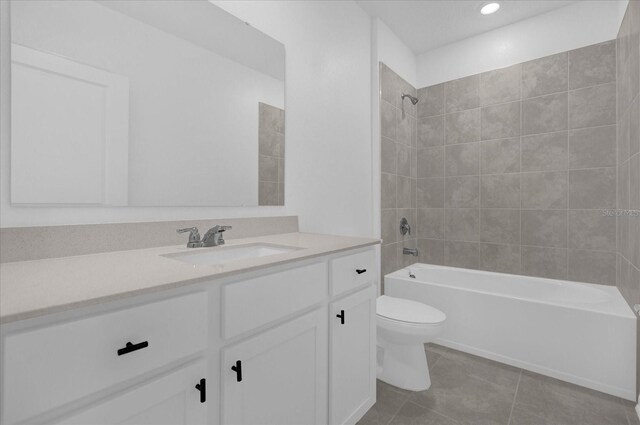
pixel 202 387
pixel 360 271
pixel 238 370
pixel 341 317
pixel 133 347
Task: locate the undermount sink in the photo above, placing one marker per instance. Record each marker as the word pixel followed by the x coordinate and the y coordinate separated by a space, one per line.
pixel 225 254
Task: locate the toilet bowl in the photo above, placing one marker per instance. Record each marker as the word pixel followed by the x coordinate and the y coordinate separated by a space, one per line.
pixel 404 326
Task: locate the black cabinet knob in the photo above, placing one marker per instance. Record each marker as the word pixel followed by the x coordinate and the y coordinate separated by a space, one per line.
pixel 202 387
pixel 341 317
pixel 360 271
pixel 238 370
pixel 129 347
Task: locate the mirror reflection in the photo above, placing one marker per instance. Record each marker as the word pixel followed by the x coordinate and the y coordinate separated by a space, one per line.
pixel 166 103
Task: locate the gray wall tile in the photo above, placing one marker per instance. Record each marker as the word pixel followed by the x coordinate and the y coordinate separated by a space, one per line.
pixel 500 191
pixel 431 101
pixel 592 147
pixel 389 254
pixel 403 155
pixel 268 168
pixel 500 121
pixel 403 192
pixel 544 228
pixel 500 156
pixel 431 162
pixel 545 75
pixel 463 127
pixel 500 258
pixel 389 85
pixel 593 188
pixel 592 266
pixel 389 228
pixel 388 156
pixel 430 223
pixel 267 193
pixel 462 254
pixel 462 94
pixel 591 229
pixel 430 193
pixel 405 124
pixel 462 224
pixel 544 262
pixel 431 251
pixel 592 106
pixel 592 65
pixel 462 192
pixel 500 85
pixel 462 160
pixel 388 185
pixel 544 114
pixel 388 122
pixel 545 152
pixel 431 131
pixel 545 190
pixel 500 226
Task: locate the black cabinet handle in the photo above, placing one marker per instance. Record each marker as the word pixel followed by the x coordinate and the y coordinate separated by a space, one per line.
pixel 341 317
pixel 202 387
pixel 360 271
pixel 238 370
pixel 133 347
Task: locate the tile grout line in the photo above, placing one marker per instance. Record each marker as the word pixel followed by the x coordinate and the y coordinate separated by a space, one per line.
pixel 515 396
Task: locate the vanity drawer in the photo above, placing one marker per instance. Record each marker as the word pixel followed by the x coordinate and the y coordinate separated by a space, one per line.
pixel 351 271
pixel 251 303
pixel 48 367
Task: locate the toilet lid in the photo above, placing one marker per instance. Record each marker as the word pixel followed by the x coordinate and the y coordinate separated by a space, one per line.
pixel 408 311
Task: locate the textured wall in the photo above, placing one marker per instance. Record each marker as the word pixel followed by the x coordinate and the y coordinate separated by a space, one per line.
pixel 628 120
pixel 514 168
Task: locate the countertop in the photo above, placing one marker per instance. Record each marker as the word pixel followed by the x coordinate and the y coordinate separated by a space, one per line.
pixel 35 288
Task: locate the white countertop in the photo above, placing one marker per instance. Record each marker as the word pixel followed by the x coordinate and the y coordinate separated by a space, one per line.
pixel 36 288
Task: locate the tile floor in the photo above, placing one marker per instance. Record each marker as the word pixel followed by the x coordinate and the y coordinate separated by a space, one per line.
pixel 470 390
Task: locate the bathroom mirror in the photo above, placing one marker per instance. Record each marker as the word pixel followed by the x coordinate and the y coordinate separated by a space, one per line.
pixel 144 103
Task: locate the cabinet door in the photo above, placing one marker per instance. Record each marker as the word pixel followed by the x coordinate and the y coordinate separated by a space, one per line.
pixel 280 376
pixel 352 379
pixel 171 399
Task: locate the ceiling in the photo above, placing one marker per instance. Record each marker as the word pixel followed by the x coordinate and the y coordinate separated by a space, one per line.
pixel 426 25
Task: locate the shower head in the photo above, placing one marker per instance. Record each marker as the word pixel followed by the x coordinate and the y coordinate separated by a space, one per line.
pixel 413 100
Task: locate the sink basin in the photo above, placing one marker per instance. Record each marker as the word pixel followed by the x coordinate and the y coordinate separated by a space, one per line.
pixel 225 254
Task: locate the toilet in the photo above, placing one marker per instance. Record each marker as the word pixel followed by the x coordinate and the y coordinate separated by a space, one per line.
pixel 404 326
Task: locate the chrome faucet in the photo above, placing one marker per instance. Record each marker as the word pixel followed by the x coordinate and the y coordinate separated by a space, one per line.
pixel 213 237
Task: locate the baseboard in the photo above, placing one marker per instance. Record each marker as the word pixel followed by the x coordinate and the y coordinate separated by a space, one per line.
pixel 638 408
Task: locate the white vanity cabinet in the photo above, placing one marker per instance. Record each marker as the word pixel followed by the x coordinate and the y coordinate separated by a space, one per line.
pixel 279 376
pixel 170 399
pixel 352 361
pixel 287 344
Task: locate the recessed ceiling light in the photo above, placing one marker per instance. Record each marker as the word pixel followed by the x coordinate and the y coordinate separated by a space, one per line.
pixel 490 8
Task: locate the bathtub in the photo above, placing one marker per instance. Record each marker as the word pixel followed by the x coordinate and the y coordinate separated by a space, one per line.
pixel 577 332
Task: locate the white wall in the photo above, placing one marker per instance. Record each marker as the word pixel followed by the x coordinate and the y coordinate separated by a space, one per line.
pixel 328 98
pixel 580 24
pixel 393 52
pixel 328 124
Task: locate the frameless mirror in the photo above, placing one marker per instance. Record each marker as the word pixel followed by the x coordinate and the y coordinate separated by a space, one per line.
pixel 144 103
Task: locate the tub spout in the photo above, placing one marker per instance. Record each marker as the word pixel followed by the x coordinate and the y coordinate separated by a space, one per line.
pixel 410 251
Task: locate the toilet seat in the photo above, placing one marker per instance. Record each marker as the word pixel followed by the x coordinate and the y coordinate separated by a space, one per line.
pixel 407 311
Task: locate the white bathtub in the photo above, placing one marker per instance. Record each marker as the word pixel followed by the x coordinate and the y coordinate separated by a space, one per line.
pixel 578 332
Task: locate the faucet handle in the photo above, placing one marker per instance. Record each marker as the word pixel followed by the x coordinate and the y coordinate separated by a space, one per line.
pixel 194 235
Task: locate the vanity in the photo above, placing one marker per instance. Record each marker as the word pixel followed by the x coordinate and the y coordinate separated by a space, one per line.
pixel 175 335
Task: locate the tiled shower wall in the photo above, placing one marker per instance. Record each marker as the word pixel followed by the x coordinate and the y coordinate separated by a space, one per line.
pixel 628 120
pixel 398 165
pixel 514 168
pixel 271 155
